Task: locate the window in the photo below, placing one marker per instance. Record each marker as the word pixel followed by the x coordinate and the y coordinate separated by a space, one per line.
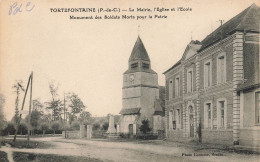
pixel 134 65
pixel 177 87
pixel 221 69
pixel 178 118
pixel 207 115
pixel 171 119
pixel 170 90
pixel 257 108
pixel 189 81
pixel 221 113
pixel 146 66
pixel 207 74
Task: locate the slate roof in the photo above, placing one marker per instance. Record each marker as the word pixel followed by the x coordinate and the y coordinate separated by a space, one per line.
pixel 139 51
pixel 247 20
pixel 251 67
pixel 130 111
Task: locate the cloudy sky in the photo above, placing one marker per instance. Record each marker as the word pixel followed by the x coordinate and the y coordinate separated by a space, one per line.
pixel 89 57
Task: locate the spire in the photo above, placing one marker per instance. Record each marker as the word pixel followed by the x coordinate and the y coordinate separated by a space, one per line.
pixel 139 51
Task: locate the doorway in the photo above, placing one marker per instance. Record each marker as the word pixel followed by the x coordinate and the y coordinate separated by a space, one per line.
pixel 131 131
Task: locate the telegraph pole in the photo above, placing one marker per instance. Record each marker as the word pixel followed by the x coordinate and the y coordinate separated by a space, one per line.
pixel 29 118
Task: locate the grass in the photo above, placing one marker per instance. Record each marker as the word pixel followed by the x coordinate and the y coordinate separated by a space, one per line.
pixel 3 157
pixel 27 157
pixel 23 144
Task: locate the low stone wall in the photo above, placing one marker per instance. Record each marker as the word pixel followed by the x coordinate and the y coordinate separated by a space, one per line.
pixel 217 136
pixel 71 134
pixel 249 137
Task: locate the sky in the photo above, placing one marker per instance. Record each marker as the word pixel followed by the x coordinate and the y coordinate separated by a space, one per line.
pixel 88 57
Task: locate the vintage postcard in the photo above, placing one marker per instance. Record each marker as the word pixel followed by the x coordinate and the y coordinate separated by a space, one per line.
pixel 129 80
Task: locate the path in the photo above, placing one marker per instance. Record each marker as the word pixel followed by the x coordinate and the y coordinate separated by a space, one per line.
pixel 130 151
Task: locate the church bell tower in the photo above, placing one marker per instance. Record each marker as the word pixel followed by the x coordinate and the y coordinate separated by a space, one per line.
pixel 140 88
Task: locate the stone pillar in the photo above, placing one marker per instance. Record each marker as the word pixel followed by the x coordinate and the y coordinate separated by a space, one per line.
pixel 117 128
pixel 237 79
pixel 197 111
pixel 111 127
pixel 82 131
pixel 89 131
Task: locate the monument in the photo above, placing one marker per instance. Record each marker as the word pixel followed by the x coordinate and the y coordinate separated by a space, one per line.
pixel 111 126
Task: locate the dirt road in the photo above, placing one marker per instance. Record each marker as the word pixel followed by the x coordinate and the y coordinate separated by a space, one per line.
pixel 132 151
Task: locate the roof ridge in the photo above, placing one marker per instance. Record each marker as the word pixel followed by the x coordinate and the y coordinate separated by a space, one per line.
pixel 246 15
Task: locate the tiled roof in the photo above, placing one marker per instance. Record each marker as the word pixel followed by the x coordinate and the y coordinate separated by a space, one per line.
pixel 130 111
pixel 139 51
pixel 247 20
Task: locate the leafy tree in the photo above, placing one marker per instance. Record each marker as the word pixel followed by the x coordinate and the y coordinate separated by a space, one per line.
pixel 85 117
pixel 145 128
pixel 10 128
pixel 2 118
pixel 55 104
pixel 96 126
pixel 76 104
pixel 35 119
pixel 37 105
pixel 75 125
pixel 55 126
pixel 18 87
pixel 105 126
pixel 44 127
pixel 22 129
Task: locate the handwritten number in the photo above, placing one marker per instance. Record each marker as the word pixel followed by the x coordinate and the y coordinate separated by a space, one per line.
pixel 28 5
pixel 15 8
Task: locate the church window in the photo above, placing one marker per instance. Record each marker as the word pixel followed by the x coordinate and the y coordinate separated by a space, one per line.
pixel 145 65
pixel 257 107
pixel 207 74
pixel 134 65
pixel 221 69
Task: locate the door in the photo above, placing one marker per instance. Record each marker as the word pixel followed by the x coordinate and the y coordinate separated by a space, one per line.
pixel 131 130
pixel 191 122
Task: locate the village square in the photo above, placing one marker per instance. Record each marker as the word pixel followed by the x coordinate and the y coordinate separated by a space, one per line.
pixel 207 110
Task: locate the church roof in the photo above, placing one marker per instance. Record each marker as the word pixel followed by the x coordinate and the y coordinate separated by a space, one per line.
pixel 247 20
pixel 139 51
pixel 130 111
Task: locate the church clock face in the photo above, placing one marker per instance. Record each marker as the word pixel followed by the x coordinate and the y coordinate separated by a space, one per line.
pixel 131 77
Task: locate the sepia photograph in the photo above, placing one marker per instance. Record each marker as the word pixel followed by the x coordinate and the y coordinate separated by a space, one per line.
pixel 129 80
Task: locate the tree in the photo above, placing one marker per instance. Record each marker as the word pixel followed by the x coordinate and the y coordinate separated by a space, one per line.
pixel 75 125
pixel 85 117
pixel 44 127
pixel 55 104
pixel 76 104
pixel 105 126
pixel 35 119
pixel 22 129
pixel 10 128
pixel 18 87
pixel 2 118
pixel 37 105
pixel 96 126
pixel 145 128
pixel 55 126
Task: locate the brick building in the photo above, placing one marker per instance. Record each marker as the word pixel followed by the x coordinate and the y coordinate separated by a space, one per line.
pixel 216 84
pixel 142 97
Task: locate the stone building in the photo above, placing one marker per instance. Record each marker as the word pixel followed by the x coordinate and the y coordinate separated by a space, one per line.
pixel 141 94
pixel 216 84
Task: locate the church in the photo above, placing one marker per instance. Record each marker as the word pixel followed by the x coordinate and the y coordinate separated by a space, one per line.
pixel 142 97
